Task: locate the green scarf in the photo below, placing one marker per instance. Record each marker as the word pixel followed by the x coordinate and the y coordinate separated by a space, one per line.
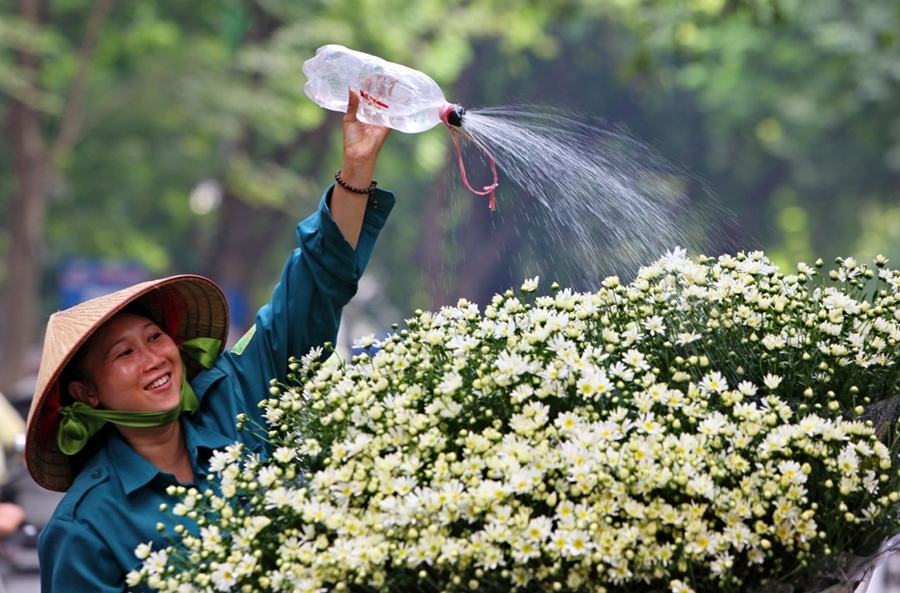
pixel 79 421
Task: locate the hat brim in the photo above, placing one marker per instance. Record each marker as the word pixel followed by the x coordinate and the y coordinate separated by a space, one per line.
pixel 195 304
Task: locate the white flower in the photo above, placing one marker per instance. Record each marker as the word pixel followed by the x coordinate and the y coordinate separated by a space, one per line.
pixel 674 258
pixel 771 381
pixel 685 338
pixel 451 384
pixel 212 538
pixel 792 471
pixel 721 563
pixel 848 461
pixel 655 325
pixel 364 342
pixel 224 577
pixel 773 342
pixel 218 460
pixel 530 285
pixel 524 550
pixel 713 382
pixel 679 586
pixel 647 424
pixel 512 366
pixel 712 424
pixel 577 543
pixel 156 562
pixel 143 550
pixel 310 447
pixel 284 454
pixel 620 371
pixel 838 301
pixel 747 388
pixel 568 422
pixel 134 578
pixel 636 360
pixel 804 268
pixel 312 356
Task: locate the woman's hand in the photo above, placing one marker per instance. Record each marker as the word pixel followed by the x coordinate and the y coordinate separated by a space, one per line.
pixel 11 518
pixel 362 144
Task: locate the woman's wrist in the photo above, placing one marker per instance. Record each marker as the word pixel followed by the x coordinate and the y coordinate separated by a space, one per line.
pixel 357 172
pixel 360 190
pixel 356 175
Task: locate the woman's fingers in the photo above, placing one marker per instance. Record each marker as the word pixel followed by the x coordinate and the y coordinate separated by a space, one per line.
pixel 352 106
pixel 361 141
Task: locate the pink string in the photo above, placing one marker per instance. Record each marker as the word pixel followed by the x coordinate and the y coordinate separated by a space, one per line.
pixel 488 189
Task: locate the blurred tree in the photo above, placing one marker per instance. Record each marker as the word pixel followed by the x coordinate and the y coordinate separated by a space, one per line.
pixel 36 155
pixel 800 108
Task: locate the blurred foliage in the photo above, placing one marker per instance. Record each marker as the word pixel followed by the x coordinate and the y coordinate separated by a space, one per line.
pixel 787 109
pixel 800 108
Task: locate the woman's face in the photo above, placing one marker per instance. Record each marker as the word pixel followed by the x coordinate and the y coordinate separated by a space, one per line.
pixel 134 366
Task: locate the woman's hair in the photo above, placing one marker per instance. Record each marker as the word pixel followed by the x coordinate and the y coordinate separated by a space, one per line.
pixel 77 368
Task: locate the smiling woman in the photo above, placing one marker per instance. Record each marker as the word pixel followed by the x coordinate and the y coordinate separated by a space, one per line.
pixel 136 390
pixel 131 365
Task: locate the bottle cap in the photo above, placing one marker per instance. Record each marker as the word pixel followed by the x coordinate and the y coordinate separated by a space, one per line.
pixel 452 114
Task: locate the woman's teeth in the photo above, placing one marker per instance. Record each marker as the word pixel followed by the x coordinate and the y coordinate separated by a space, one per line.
pixel 159 382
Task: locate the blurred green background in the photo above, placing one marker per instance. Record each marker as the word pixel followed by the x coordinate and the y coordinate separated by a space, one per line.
pixel 177 135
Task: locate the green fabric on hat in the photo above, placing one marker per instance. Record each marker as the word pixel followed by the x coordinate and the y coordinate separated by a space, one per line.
pixel 203 350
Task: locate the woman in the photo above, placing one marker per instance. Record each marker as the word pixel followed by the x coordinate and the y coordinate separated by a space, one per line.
pixel 135 392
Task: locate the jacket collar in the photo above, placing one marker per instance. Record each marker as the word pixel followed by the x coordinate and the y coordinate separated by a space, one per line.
pixel 135 472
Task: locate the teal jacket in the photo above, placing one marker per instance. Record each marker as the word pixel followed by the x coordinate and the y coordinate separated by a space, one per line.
pixel 88 545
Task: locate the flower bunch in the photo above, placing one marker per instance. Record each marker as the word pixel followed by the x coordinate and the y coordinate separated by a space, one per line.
pixel 708 426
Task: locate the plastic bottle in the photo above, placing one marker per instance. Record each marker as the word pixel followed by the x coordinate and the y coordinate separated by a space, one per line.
pixel 389 94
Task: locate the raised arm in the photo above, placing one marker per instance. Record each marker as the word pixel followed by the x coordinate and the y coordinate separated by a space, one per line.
pixel 362 143
pixel 318 279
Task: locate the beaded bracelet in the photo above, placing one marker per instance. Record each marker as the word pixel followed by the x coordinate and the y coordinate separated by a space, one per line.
pixel 370 190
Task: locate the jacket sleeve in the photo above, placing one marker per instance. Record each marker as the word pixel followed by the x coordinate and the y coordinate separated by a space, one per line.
pixel 319 278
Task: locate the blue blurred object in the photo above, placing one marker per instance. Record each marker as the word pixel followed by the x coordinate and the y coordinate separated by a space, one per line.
pixel 83 279
pixel 238 308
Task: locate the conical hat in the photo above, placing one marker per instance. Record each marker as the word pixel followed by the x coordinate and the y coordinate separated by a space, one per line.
pixel 188 306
